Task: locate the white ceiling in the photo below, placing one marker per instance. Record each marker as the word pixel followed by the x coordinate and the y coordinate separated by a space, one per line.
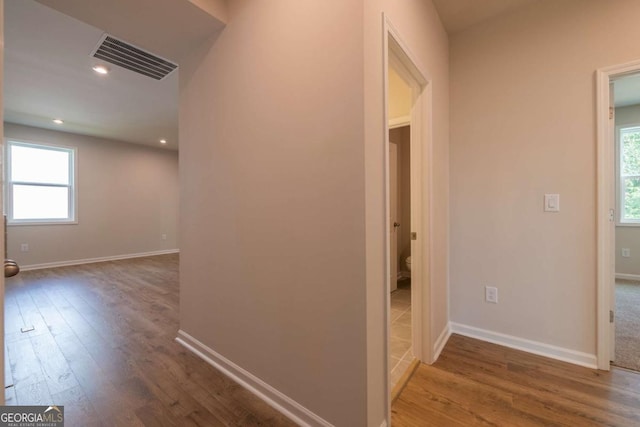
pixel 48 73
pixel 458 15
pixel 48 64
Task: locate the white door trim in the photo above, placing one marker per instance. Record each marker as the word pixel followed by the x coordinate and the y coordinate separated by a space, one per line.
pixel 397 52
pixel 606 204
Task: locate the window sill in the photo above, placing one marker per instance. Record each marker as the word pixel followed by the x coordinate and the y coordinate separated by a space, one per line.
pixel 628 224
pixel 23 223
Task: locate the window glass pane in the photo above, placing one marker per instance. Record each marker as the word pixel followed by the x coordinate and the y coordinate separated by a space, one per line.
pixel 40 202
pixel 630 144
pixel 30 164
pixel 631 198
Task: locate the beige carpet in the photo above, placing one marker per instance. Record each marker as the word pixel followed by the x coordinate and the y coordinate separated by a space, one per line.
pixel 627 325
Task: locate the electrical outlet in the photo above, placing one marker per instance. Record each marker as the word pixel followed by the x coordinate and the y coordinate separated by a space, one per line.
pixel 626 252
pixel 164 237
pixel 491 294
pixel 24 247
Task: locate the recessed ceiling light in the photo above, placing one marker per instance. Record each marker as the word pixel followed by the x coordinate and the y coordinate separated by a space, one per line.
pixel 101 69
pixel 58 121
pixel 163 141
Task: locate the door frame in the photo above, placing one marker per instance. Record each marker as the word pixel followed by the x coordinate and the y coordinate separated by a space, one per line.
pixel 396 51
pixel 607 209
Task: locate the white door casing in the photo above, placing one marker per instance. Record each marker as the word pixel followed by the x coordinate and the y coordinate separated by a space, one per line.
pixel 397 54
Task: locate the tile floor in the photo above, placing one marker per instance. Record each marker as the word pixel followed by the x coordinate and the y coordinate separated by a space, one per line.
pixel 401 355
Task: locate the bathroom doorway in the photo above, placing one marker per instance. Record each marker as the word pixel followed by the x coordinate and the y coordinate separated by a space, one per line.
pixel 413 119
pixel 400 207
pixel 400 320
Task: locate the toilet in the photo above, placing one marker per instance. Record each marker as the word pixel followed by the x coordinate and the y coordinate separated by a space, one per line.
pixel 408 263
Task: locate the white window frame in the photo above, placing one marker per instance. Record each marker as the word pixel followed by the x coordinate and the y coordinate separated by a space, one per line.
pixel 73 178
pixel 621 221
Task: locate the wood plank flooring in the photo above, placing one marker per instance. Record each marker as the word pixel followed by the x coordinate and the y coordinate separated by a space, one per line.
pixel 475 383
pixel 103 346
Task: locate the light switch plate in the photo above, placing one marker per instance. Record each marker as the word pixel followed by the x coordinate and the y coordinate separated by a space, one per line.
pixel 552 203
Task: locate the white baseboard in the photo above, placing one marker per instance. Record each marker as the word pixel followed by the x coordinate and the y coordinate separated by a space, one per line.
pixel 541 349
pixel 384 424
pixel 441 342
pixel 92 260
pixel 628 276
pixel 277 400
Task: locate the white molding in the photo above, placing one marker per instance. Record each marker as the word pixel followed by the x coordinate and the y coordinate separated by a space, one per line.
pixel 94 260
pixel 625 276
pixel 551 351
pixel 384 424
pixel 274 398
pixel 399 122
pixel 441 341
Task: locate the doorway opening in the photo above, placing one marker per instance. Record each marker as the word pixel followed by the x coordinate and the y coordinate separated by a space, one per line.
pixel 618 121
pixel 626 293
pixel 408 184
pixel 400 219
pixel 83 135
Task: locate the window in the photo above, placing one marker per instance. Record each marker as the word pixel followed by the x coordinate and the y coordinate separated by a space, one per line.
pixel 40 184
pixel 629 152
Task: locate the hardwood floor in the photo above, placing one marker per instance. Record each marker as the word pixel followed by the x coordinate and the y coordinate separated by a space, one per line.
pixel 478 383
pixel 103 346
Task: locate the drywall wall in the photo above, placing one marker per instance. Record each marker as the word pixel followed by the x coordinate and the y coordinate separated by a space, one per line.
pixel 282 195
pixel 127 198
pixel 628 236
pixel 522 125
pixel 272 202
pixel 419 27
pixel 402 137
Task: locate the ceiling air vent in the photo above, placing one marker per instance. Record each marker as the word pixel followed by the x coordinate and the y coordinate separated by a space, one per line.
pixel 124 55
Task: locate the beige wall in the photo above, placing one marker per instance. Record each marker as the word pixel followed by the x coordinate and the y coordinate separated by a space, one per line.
pixel 127 198
pixel 419 26
pixel 402 137
pixel 272 221
pixel 523 124
pixel 628 236
pixel 273 169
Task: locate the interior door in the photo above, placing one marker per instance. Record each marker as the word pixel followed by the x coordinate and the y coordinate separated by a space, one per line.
pixel 393 215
